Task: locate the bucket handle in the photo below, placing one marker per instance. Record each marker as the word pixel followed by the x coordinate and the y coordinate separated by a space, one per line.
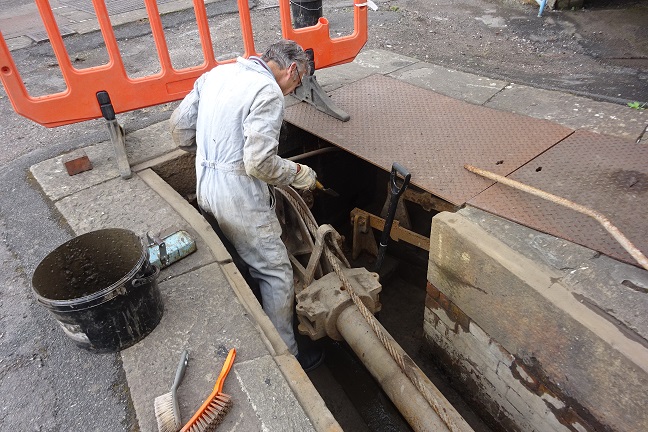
pixel 138 282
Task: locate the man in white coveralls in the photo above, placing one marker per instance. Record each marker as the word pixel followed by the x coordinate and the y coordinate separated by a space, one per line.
pixel 231 120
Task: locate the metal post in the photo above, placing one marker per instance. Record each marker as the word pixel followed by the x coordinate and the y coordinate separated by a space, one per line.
pixel 116 134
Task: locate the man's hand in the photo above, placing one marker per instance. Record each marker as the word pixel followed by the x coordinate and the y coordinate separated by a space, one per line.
pixel 305 178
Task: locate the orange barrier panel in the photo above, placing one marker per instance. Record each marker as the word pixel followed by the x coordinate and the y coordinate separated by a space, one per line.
pixel 328 52
pixel 79 101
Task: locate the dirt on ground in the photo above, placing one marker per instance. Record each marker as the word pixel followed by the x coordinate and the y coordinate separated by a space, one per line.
pixel 599 51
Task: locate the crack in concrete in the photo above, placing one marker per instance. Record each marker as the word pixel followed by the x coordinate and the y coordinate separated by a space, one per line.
pixel 621 326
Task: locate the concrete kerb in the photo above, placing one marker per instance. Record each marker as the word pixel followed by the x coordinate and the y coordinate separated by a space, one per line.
pixel 300 384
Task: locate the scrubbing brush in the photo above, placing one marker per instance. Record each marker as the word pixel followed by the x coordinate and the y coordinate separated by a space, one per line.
pixel 167 412
pixel 213 410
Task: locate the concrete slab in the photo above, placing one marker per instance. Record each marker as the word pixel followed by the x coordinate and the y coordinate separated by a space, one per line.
pixel 534 312
pixel 130 204
pixel 18 42
pixel 366 63
pixel 203 316
pixel 458 85
pixel 602 283
pixel 141 145
pixel 270 395
pixel 20 20
pixel 148 143
pixel 56 183
pixel 572 111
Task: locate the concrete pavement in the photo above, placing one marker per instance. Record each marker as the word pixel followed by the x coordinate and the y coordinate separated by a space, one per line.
pixel 207 308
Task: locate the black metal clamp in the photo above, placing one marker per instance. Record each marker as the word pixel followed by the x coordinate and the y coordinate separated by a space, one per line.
pixel 311 92
pixel 395 191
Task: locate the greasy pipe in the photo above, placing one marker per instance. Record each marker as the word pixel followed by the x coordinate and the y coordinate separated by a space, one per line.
pixel 313 153
pixel 361 338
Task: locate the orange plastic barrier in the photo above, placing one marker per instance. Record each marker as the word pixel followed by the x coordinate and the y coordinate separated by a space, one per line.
pixel 328 52
pixel 79 101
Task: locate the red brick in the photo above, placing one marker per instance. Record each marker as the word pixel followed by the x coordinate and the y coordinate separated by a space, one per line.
pixel 432 291
pixel 430 303
pixel 460 317
pixel 77 162
pixel 570 417
pixel 444 301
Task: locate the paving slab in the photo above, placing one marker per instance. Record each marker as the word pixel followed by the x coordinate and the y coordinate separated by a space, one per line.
pixel 268 392
pixel 577 347
pixel 203 316
pixel 130 204
pixel 141 145
pixel 572 111
pixel 456 84
pixel 600 282
pixel 366 63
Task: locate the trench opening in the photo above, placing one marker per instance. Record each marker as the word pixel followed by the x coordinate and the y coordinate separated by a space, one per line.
pixel 350 392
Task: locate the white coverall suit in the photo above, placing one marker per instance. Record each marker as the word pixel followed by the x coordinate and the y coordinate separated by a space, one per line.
pixel 235 112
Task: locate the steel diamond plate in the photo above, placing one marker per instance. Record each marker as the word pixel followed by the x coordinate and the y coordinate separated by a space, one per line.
pixel 604 173
pixel 432 135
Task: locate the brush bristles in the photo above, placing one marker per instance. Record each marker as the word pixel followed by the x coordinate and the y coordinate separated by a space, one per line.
pixel 213 414
pixel 164 414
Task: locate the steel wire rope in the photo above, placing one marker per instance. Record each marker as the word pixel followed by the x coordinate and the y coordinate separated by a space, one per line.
pixel 304 7
pixel 399 358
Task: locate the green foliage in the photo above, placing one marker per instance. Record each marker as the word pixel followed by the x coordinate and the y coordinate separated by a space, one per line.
pixel 393 8
pixel 637 105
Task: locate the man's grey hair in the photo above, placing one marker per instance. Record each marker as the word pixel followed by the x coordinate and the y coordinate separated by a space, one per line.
pixel 284 53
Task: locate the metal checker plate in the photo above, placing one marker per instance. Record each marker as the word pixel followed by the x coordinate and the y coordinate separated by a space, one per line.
pixel 606 174
pixel 431 135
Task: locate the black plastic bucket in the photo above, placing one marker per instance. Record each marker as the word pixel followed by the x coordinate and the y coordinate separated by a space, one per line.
pixel 305 13
pixel 102 289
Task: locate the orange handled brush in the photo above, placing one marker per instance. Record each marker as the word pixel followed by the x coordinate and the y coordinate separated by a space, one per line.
pixel 213 410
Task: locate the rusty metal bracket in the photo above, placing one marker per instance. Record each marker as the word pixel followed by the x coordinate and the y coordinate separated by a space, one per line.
pixel 363 237
pixel 428 201
pixel 312 93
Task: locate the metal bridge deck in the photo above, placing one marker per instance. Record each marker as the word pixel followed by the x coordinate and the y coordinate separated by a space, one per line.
pixel 433 136
pixel 603 173
pixel 430 134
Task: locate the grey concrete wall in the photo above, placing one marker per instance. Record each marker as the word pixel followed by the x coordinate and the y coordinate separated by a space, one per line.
pixel 521 334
